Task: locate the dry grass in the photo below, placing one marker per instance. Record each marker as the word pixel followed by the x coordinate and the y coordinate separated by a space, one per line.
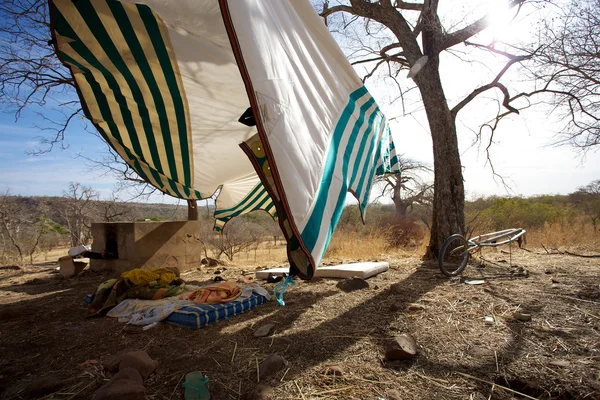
pixel 460 357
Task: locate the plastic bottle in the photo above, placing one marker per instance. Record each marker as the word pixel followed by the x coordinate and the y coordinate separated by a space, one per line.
pixel 195 386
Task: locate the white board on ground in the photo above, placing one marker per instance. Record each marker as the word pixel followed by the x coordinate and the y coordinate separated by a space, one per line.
pixel 363 270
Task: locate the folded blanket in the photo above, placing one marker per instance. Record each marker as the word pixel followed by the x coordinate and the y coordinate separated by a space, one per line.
pixel 145 312
pixel 222 292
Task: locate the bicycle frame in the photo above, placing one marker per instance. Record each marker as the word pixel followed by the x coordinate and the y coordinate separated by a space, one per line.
pixel 491 239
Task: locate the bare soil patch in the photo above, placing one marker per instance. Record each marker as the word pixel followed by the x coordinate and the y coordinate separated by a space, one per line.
pixel 50 350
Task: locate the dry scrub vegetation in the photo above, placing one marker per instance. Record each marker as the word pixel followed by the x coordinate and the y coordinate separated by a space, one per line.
pixel 51 351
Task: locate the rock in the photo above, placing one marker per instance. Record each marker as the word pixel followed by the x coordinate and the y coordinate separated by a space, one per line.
pixel 481 352
pixel 335 370
pixel 129 373
pixel 139 360
pixel 44 386
pixel 210 262
pixel 260 392
pixel 70 268
pixel 111 364
pixel 121 389
pixel 522 317
pixel 560 363
pixel 393 394
pixel 263 330
pixel 402 347
pixel 397 288
pixel 270 365
pixel 351 284
pixel 488 321
pixel 414 307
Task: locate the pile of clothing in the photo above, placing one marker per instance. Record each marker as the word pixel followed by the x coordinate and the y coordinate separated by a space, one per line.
pixel 143 297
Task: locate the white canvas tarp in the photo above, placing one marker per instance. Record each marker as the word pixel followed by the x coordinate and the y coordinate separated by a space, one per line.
pixel 166 82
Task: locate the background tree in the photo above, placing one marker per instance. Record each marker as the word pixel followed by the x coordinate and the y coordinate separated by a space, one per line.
pixel 78 212
pixel 32 77
pixel 567 67
pixel 19 230
pixel 587 198
pixel 408 187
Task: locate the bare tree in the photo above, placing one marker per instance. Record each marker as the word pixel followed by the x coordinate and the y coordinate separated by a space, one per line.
pixel 23 231
pixel 77 212
pixel 239 235
pixel 408 187
pixel 567 67
pixel 402 35
pixel 588 199
pixel 32 76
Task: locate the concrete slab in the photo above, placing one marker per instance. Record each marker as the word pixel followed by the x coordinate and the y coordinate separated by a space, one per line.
pixel 363 270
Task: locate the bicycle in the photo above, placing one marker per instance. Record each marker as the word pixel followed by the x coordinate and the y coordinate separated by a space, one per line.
pixel 456 250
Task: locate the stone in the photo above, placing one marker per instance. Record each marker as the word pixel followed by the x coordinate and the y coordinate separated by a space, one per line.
pixel 560 363
pixel 139 360
pixel 335 370
pixel 70 268
pixel 393 394
pixel 121 389
pixel 270 365
pixel 264 330
pixel 111 364
pixel 402 347
pixel 352 284
pixel 129 373
pixel 481 352
pixel 522 317
pixel 414 307
pixel 397 288
pixel 209 262
pixel 44 386
pixel 260 392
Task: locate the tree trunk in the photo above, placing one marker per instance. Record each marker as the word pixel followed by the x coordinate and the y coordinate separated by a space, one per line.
pixel 400 204
pixel 192 210
pixel 449 195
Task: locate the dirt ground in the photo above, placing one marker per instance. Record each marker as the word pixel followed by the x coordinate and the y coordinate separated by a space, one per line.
pixel 50 350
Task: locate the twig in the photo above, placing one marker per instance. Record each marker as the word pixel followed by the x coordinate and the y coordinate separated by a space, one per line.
pixel 284 374
pixel 146 346
pixel 234 349
pixel 257 371
pixel 331 391
pixel 300 391
pixel 582 255
pixel 176 386
pixel 85 387
pixel 495 384
pixel 576 298
pixel 585 312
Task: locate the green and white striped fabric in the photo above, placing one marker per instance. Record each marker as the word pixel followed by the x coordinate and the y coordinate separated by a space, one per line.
pixel 166 81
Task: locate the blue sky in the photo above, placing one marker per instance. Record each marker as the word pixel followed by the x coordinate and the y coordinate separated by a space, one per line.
pixel 522 152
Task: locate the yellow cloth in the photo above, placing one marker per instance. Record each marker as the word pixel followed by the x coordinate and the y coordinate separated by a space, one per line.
pixel 144 277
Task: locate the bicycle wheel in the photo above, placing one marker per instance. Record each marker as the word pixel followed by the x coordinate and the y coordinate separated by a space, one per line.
pixel 454 255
